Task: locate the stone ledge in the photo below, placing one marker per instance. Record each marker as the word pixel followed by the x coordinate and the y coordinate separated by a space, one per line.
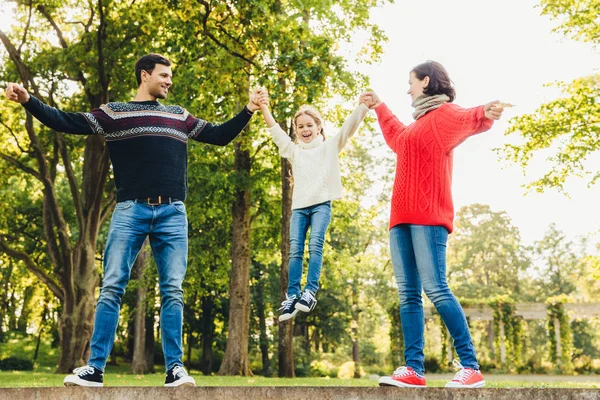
pixel 292 393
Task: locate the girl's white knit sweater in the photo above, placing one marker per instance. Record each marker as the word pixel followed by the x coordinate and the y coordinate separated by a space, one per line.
pixel 315 165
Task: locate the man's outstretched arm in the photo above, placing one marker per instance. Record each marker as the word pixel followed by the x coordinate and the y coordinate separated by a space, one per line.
pixel 53 118
pixel 224 133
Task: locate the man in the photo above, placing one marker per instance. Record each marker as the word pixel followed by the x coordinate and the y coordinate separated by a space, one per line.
pixel 147 144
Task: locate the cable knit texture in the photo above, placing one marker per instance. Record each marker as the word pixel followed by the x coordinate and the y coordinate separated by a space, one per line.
pixel 316 166
pixel 422 187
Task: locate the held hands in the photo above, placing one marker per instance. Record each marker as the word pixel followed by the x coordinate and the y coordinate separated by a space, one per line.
pixel 370 99
pixel 494 109
pixel 17 93
pixel 258 98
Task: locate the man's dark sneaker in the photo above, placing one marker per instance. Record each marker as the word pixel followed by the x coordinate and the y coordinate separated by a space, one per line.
pixel 307 302
pixel 288 307
pixel 177 376
pixel 85 376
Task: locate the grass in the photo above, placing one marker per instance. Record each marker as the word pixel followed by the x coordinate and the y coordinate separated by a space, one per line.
pixel 117 376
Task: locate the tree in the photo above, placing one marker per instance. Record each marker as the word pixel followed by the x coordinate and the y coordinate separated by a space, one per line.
pixel 557 265
pixel 272 44
pixel 570 125
pixel 485 254
pixel 95 51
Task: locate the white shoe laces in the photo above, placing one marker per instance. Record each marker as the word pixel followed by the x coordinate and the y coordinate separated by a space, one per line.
pixel 178 371
pixel 287 302
pixel 85 370
pixel 402 371
pixel 307 296
pixel 463 373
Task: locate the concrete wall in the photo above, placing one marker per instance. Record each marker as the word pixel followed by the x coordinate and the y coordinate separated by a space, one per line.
pixel 293 393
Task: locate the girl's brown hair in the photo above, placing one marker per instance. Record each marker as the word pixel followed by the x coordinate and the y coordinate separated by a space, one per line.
pixel 314 114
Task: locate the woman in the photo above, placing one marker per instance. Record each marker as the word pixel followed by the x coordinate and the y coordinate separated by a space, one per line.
pixel 422 213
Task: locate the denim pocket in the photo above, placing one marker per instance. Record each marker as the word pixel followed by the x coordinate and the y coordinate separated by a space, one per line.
pixel 179 206
pixel 124 205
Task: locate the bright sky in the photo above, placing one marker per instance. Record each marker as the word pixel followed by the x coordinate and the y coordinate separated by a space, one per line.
pixel 492 50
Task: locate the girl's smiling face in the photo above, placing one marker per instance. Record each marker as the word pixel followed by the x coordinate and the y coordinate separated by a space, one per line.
pixel 307 128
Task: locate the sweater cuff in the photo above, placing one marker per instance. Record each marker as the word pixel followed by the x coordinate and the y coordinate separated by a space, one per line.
pixel 382 109
pixel 248 110
pixel 364 107
pixel 29 103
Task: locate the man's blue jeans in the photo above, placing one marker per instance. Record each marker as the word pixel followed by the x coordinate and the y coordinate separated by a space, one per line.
pixel 131 223
pixel 419 259
pixel 318 218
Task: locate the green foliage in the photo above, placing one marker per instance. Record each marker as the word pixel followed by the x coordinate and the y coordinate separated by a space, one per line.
pixel 578 18
pixel 567 128
pixel 485 254
pixel 15 364
pixel 556 312
pixel 396 336
pixel 504 313
pixel 558 266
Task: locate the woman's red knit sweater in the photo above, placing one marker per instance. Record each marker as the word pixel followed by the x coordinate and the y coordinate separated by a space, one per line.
pixel 422 187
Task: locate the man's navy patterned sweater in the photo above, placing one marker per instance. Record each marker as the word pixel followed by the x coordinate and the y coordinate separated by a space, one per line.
pixel 146 140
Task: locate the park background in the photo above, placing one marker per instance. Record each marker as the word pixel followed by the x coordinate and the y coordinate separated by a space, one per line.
pixel 526 229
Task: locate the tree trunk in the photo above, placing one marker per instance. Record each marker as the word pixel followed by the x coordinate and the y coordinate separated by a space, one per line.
pixel 26 310
pixel 355 325
pixel 149 345
pixel 74 275
pixel 235 360
pixel 286 329
pixel 80 277
pixel 12 314
pixel 139 364
pixel 4 309
pixel 259 301
pixel 76 322
pixel 207 334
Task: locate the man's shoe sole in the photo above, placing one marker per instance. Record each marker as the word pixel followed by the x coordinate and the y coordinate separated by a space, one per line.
pixel 185 381
pixel 77 381
pixel 388 381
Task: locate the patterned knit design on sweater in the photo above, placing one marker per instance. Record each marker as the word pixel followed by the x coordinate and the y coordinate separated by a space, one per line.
pixel 424 149
pixel 147 142
pixel 118 121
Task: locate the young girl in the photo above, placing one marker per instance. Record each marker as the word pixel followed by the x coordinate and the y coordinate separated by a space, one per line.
pixel 422 214
pixel 317 181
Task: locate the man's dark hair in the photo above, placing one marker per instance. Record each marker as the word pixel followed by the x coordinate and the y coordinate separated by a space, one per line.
pixel 147 63
pixel 439 80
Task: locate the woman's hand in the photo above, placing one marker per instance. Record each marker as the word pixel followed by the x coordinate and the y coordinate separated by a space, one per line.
pixel 493 110
pixel 370 99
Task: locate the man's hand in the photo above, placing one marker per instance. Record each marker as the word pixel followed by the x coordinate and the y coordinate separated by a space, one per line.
pixel 17 93
pixel 493 110
pixel 257 98
pixel 370 99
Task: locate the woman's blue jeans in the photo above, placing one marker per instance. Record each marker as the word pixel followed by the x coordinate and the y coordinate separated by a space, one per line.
pixel 419 259
pixel 318 218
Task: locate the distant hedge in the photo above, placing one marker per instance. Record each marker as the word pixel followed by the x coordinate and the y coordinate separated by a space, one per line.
pixel 15 364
